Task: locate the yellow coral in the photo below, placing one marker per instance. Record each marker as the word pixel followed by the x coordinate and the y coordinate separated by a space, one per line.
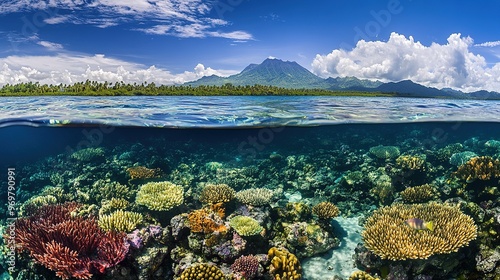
pixel 141 172
pixel 255 196
pixel 202 272
pixel 284 265
pixel 411 162
pixel 482 168
pixel 387 235
pixel 120 221
pixel 325 210
pixel 160 196
pixel 245 226
pixel 206 221
pixel 361 275
pixel 217 193
pixel 421 193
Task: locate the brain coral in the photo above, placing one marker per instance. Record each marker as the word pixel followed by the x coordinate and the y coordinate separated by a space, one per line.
pixel 217 193
pixel 160 196
pixel 387 235
pixel 255 196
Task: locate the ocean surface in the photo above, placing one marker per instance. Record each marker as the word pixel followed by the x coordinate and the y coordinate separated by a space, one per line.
pixel 289 154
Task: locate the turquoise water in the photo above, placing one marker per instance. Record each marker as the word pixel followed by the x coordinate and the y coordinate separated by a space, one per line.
pixel 359 154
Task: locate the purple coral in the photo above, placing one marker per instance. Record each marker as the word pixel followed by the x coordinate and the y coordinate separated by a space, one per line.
pixel 246 266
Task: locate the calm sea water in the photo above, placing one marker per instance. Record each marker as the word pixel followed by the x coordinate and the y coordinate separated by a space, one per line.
pixel 302 147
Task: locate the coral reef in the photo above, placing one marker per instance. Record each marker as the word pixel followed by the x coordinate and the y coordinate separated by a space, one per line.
pixel 143 173
pixel 255 196
pixel 325 210
pixel 411 162
pixel 88 154
pixel 246 267
pixel 212 194
pixel 245 226
pixel 202 272
pixel 206 221
pixel 70 246
pixel 387 234
pixel 160 196
pixel 478 168
pixel 284 265
pixel 385 152
pixel 418 194
pixel 120 221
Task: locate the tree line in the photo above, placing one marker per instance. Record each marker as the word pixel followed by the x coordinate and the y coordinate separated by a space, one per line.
pixel 94 88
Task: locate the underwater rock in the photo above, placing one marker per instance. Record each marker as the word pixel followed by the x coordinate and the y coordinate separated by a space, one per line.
pixel 458 159
pixel 150 262
pixel 488 262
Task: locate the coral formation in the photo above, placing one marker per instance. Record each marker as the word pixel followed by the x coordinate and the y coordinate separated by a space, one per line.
pixel 422 193
pixel 306 239
pixel 88 154
pixel 284 265
pixel 385 152
pixel 70 246
pixel 216 193
pixel 202 272
pixel 142 173
pixel 245 226
pixel 361 275
pixel 325 210
pixel 255 196
pixel 120 221
pixel 458 159
pixel 387 234
pixel 206 221
pixel 160 196
pixel 246 266
pixel 409 162
pixel 478 168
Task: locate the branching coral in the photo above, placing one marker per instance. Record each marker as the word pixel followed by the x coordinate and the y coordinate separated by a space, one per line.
pixel 388 235
pixel 255 196
pixel 409 162
pixel 325 210
pixel 421 193
pixel 202 272
pixel 284 265
pixel 70 246
pixel 478 168
pixel 206 221
pixel 217 193
pixel 245 226
pixel 361 275
pixel 160 196
pixel 141 172
pixel 120 221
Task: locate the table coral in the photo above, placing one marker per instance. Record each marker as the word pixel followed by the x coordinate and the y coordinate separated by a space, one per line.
pixel 142 172
pixel 479 168
pixel 388 236
pixel 255 196
pixel 385 152
pixel 160 196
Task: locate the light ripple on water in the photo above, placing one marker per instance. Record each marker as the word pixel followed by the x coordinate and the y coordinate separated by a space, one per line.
pixel 238 111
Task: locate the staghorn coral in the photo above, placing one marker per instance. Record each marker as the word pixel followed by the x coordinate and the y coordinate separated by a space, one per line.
pixel 361 275
pixel 120 221
pixel 202 272
pixel 385 152
pixel 325 210
pixel 255 196
pixel 245 226
pixel 284 265
pixel 216 193
pixel 70 246
pixel 108 206
pixel 142 173
pixel 246 266
pixel 103 189
pixel 206 221
pixel 482 168
pixel 387 235
pixel 160 196
pixel 421 193
pixel 408 162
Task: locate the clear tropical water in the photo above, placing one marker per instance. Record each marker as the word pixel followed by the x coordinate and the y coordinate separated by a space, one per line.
pixel 359 154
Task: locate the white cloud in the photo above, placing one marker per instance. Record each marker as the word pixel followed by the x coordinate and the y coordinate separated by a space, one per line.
pixel 448 65
pixel 488 44
pixel 68 69
pixel 50 46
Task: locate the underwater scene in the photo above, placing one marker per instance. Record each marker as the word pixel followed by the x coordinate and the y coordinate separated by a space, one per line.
pixel 256 188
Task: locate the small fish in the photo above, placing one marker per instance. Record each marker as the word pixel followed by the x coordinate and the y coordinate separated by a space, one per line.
pixel 419 224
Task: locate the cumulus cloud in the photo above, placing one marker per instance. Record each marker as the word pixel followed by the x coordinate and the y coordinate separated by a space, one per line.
pixel 182 18
pixel 450 65
pixel 68 69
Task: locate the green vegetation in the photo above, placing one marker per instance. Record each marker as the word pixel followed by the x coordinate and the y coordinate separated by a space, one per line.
pixel 93 88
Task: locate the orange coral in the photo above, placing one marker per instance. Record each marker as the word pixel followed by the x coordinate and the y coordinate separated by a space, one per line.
pixel 206 221
pixel 482 168
pixel 141 172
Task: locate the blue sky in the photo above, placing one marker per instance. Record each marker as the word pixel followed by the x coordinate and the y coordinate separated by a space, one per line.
pixel 437 43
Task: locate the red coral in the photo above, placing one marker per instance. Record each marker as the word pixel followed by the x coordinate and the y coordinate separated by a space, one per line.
pixel 70 246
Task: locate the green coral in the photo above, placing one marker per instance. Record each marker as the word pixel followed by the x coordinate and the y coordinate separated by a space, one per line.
pixel 245 226
pixel 160 196
pixel 255 196
pixel 120 221
pixel 385 152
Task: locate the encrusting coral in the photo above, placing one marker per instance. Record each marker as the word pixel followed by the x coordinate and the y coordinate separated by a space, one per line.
pixel 245 226
pixel 70 246
pixel 212 194
pixel 284 265
pixel 387 234
pixel 160 196
pixel 255 196
pixel 120 221
pixel 421 193
pixel 482 168
pixel 325 210
pixel 202 272
pixel 206 221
